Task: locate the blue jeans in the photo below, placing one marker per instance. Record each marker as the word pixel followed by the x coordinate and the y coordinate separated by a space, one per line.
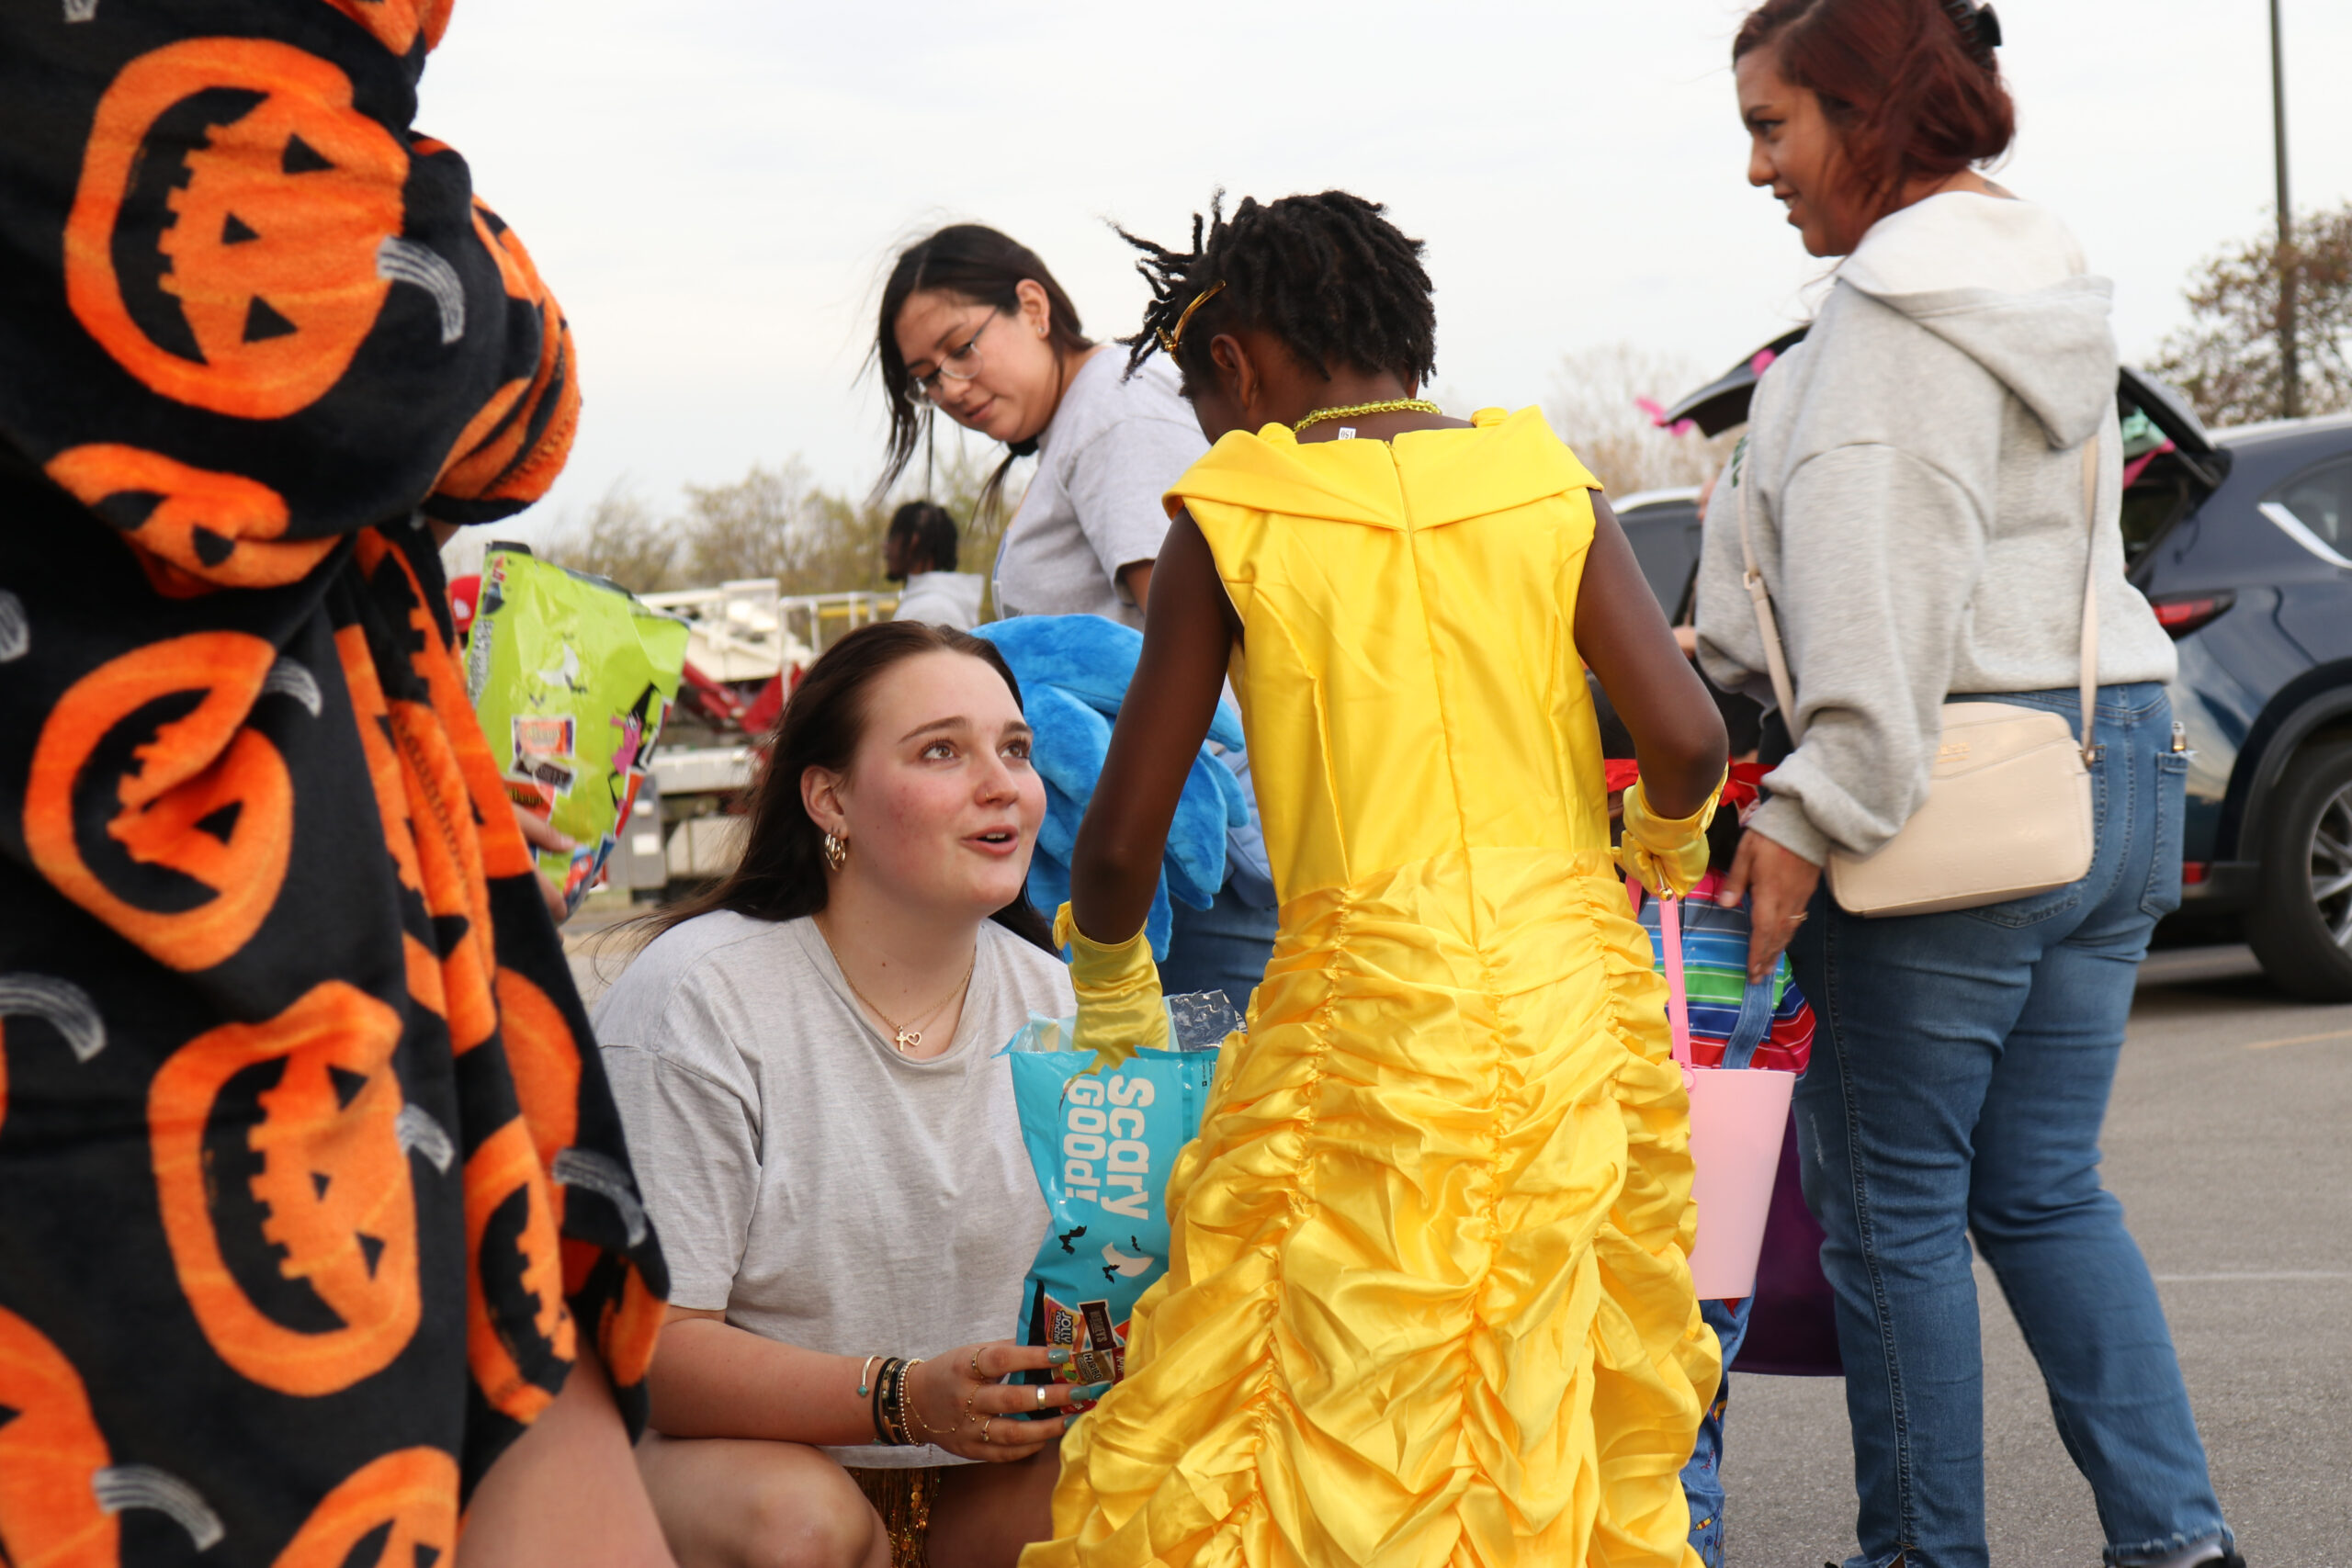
pixel 1702 1478
pixel 1958 1084
pixel 1224 947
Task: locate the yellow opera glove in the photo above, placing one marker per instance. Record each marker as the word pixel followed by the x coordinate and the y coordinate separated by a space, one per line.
pixel 1666 855
pixel 1119 1010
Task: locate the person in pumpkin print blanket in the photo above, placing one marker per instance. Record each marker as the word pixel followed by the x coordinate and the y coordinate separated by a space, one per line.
pixel 316 1222
pixel 1728 1017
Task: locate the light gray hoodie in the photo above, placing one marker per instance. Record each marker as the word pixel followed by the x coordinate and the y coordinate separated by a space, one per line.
pixel 1912 482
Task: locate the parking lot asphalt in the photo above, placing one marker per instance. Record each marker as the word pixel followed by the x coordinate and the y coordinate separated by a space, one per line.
pixel 2230 1143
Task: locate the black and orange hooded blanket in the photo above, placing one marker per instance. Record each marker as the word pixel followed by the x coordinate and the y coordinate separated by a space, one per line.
pixel 310 1188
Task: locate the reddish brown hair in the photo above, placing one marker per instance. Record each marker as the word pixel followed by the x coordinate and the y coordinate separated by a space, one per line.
pixel 1910 86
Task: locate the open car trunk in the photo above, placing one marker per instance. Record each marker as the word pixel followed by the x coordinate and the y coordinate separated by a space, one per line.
pixel 2170 464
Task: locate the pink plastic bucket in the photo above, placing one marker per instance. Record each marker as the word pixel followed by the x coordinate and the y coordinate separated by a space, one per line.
pixel 1737 1118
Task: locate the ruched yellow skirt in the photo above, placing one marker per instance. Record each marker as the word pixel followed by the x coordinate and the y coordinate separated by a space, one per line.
pixel 1429 1299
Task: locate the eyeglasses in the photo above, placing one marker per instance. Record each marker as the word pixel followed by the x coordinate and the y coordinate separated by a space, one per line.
pixel 956 365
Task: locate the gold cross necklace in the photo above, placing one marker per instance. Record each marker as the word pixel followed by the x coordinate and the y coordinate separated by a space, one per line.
pixel 905 1036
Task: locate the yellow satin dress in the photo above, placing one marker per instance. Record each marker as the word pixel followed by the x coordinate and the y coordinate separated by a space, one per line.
pixel 1429 1299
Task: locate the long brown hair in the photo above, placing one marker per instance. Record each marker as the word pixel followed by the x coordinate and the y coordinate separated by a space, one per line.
pixel 782 874
pixel 1911 86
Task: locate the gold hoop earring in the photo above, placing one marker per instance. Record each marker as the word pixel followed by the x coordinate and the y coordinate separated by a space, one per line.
pixel 836 851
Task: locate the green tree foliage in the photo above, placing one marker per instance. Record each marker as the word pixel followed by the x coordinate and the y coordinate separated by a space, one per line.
pixel 2227 358
pixel 774 521
pixel 621 539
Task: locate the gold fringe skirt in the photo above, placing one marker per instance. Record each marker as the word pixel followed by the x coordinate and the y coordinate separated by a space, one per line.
pixel 903 1498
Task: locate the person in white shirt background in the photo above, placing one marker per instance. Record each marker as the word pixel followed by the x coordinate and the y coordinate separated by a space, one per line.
pixel 920 551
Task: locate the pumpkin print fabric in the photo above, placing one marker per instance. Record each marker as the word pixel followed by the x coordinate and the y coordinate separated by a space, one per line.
pixel 311 1192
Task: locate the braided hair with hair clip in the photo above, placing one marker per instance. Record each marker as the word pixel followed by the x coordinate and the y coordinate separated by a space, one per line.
pixel 1328 275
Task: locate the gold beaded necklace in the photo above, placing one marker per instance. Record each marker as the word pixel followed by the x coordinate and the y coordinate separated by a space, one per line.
pixel 1394 405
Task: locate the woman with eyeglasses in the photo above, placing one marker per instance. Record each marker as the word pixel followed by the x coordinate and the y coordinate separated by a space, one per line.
pixel 974 326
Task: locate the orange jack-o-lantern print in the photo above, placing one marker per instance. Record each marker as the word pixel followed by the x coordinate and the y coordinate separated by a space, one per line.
pixel 544 1060
pixel 397 23
pixel 518 1330
pixel 227 240
pixel 405 1502
pixel 281 1155
pixel 59 1495
pixel 153 807
pixel 51 1451
pixel 193 528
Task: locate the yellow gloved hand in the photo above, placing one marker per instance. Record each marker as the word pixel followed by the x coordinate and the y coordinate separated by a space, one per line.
pixel 1666 855
pixel 1118 994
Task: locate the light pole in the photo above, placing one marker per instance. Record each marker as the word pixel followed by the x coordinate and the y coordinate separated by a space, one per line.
pixel 2290 396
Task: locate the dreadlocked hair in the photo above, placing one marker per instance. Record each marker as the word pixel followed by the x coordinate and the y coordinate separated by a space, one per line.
pixel 1328 275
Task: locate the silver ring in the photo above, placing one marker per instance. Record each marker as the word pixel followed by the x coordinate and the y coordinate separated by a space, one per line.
pixel 1041 1396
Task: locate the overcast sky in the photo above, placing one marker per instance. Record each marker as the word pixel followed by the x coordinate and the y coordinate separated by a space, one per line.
pixel 714 187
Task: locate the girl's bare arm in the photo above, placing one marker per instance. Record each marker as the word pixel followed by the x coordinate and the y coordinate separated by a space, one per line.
pixel 1188 636
pixel 1622 636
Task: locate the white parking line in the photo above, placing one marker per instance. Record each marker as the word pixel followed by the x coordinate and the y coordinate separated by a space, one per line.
pixel 2251 1278
pixel 2299 1040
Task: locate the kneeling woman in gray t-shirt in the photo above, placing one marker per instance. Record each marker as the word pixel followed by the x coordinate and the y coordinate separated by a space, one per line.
pixel 804 1059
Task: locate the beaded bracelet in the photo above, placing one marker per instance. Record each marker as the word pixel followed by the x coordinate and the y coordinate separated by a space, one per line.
pixel 910 1419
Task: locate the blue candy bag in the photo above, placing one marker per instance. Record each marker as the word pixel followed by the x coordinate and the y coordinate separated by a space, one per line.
pixel 1102 1146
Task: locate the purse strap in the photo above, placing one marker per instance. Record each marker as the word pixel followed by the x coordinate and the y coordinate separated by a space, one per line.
pixel 1776 659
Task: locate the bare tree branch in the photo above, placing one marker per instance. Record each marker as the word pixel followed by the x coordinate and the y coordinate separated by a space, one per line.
pixel 2227 358
pixel 1596 408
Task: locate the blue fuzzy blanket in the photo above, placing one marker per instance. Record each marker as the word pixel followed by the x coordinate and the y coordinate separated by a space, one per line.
pixel 1074 671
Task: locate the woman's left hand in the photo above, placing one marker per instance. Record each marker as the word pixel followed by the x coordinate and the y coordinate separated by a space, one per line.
pixel 958 1401
pixel 1782 883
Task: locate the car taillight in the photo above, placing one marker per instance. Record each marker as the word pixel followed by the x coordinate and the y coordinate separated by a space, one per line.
pixel 2181 617
pixel 2193 872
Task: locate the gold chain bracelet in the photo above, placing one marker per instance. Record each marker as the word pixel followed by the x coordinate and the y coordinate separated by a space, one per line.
pixel 1394 405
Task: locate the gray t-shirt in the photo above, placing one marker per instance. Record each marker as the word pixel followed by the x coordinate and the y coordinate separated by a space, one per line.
pixel 805 1178
pixel 1113 449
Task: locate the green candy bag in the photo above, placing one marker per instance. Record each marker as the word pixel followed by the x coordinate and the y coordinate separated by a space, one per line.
pixel 570 678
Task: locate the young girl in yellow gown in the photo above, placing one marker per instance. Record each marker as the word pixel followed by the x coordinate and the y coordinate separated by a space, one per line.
pixel 1429 1299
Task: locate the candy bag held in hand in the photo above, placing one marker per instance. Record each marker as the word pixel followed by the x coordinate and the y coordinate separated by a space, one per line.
pixel 570 678
pixel 1102 1146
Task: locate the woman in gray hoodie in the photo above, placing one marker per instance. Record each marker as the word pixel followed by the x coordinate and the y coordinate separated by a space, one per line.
pixel 1912 481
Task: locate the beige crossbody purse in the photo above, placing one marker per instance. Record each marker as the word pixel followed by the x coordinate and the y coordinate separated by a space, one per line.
pixel 2008 806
